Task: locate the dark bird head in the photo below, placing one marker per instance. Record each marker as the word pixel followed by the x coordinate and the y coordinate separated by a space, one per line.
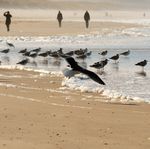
pixel 71 62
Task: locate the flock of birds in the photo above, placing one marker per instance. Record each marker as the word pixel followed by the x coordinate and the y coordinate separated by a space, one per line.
pixel 78 54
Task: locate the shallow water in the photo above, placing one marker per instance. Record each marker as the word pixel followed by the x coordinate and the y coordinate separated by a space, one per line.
pixel 124 81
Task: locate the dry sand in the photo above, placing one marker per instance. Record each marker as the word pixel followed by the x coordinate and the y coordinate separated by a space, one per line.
pixel 35 113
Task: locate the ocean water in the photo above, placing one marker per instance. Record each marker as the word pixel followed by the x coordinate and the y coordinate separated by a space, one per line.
pixel 124 81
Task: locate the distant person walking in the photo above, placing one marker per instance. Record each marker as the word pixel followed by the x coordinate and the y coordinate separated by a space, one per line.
pixel 8 19
pixel 87 18
pixel 59 18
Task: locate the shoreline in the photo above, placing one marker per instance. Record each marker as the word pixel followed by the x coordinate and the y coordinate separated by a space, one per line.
pixel 36 112
pixel 109 100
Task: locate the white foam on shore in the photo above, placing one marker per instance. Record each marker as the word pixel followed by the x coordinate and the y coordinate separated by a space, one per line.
pixel 106 37
pixel 84 85
pixel 41 71
pixel 133 37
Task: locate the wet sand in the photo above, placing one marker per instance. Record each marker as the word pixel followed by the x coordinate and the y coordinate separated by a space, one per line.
pixel 48 28
pixel 36 112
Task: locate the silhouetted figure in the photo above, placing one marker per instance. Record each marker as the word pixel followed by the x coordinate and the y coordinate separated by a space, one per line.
pixel 87 18
pixel 8 19
pixel 59 18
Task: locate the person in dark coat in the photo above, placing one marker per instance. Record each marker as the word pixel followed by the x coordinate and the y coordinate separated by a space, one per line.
pixel 59 18
pixel 8 19
pixel 87 18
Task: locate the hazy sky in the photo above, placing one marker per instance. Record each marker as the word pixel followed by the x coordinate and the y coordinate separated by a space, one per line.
pixel 77 4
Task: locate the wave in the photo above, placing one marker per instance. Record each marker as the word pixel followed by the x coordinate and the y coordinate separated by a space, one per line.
pixel 84 85
pixel 129 38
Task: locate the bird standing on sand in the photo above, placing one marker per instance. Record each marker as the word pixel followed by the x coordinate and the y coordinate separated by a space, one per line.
pixel 75 67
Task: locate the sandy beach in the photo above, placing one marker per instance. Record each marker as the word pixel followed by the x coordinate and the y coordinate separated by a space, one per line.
pixel 48 28
pixel 38 112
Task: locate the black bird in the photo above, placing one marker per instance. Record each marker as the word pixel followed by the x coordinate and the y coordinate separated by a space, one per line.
pixel 126 53
pixel 99 65
pixel 82 56
pixel 81 51
pixel 60 51
pixel 142 64
pixel 115 57
pixel 75 67
pixel 55 54
pixel 44 54
pixel 10 44
pixel 36 50
pixel 5 51
pixel 33 55
pixel 27 53
pixel 23 51
pixel 89 53
pixel 103 53
pixel 70 53
pixel 23 62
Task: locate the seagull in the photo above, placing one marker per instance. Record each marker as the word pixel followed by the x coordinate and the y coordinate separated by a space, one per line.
pixel 126 53
pixel 23 62
pixel 142 64
pixel 70 53
pixel 103 53
pixel 99 65
pixel 75 67
pixel 10 44
pixel 81 51
pixel 33 55
pixel 89 53
pixel 44 54
pixel 5 51
pixel 27 53
pixel 36 50
pixel 115 57
pixel 69 72
pixel 23 51
pixel 82 56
